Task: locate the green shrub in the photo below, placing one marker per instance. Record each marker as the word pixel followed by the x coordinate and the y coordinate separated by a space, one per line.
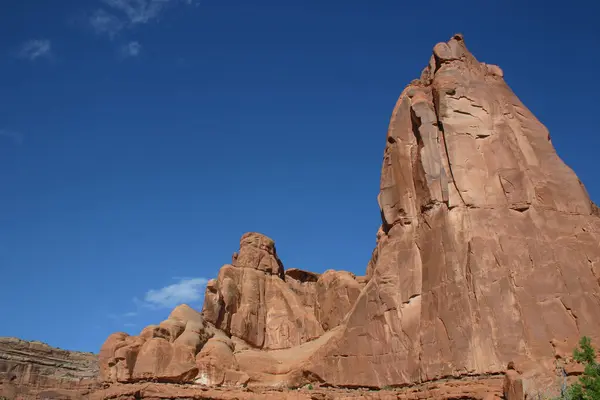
pixel 588 385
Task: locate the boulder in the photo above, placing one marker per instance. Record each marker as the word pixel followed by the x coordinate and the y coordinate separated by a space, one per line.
pixel 513 385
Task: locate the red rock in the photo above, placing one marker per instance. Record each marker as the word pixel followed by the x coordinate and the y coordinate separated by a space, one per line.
pixel 477 388
pixel 165 352
pixel 337 292
pixel 28 369
pixel 488 253
pixel 254 299
pixel 487 245
pixel 513 386
pixel 215 361
pixel 258 252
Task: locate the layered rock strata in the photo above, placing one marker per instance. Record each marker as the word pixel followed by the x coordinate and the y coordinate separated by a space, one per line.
pixel 28 368
pixel 484 388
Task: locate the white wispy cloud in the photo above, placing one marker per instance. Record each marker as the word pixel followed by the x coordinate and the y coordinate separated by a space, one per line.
pixel 118 14
pixel 37 48
pixel 131 49
pixel 16 137
pixel 130 314
pixel 139 11
pixel 188 290
pixel 105 23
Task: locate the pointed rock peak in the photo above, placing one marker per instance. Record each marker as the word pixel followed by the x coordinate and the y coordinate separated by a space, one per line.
pixel 185 313
pixel 453 49
pixel 454 55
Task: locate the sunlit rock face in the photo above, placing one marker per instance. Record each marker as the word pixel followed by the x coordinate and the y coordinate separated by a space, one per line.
pixel 488 255
pixel 488 250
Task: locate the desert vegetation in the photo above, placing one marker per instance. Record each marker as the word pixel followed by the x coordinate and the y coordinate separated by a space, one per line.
pixel 587 386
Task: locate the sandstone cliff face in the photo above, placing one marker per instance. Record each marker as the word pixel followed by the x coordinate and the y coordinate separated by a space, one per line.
pixel 31 367
pixel 488 255
pixel 488 250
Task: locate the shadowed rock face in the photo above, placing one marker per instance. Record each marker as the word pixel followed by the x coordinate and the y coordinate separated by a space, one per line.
pixel 488 255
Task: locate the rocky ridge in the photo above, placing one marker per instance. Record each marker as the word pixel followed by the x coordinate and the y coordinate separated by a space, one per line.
pixel 30 368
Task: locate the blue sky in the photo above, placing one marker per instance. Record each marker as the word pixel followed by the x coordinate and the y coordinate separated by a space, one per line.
pixel 140 139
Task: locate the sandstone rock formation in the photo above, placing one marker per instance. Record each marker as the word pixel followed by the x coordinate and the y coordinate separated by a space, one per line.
pixel 513 385
pixel 29 368
pixel 488 388
pixel 253 308
pixel 254 300
pixel 488 255
pixel 164 352
pixel 489 246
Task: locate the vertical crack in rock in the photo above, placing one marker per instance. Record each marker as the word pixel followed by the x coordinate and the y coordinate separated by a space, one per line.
pixel 570 312
pixel 469 274
pixel 440 126
pixel 445 329
pixel 419 175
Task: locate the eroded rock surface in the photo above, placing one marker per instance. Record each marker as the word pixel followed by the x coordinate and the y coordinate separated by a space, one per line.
pixel 489 245
pixel 256 301
pixel 488 255
pixel 259 324
pixel 29 368
pixel 165 352
pixel 473 388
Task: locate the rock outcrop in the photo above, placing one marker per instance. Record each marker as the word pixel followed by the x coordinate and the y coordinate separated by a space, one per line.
pixel 165 352
pixel 253 299
pixel 30 368
pixel 485 388
pixel 257 324
pixel 488 255
pixel 489 249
